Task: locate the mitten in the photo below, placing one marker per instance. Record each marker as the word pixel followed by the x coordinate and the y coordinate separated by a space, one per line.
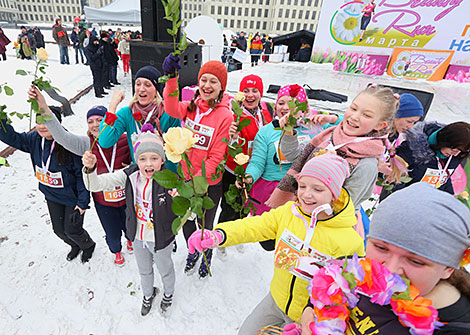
pixel 171 64
pixel 211 239
pixel 292 329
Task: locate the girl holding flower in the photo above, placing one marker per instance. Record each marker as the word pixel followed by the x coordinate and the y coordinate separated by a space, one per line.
pixel 208 116
pixel 145 107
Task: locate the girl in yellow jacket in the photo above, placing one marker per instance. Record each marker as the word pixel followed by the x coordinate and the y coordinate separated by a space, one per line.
pixel 320 224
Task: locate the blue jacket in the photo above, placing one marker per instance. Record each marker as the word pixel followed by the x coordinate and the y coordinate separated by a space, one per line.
pixel 126 123
pixel 264 161
pixel 416 151
pixel 74 192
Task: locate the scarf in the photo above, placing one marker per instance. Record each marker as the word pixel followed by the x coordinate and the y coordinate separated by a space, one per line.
pixel 155 118
pixel 352 152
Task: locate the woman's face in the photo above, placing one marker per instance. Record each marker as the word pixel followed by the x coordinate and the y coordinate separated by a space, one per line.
pixel 94 124
pixel 209 87
pixel 450 151
pixel 252 97
pixel 405 123
pixel 282 108
pixel 145 91
pixel 423 273
pixel 43 131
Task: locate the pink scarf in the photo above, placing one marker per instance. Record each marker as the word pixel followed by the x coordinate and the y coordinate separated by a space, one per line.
pixel 136 107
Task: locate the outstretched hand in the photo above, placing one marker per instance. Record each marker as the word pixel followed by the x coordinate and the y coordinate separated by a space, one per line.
pixel 211 239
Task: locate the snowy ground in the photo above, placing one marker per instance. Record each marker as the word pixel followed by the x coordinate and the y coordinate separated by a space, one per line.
pixel 42 293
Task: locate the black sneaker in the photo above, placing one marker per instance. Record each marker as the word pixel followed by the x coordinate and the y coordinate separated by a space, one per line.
pixel 87 253
pixel 191 261
pixel 166 303
pixel 116 83
pixel 105 93
pixel 203 270
pixel 99 96
pixel 147 302
pixel 73 253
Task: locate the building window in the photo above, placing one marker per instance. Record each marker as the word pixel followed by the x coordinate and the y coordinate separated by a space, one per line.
pixel 302 3
pixel 190 7
pixel 260 2
pixel 264 25
pixel 199 7
pixel 233 11
pixel 278 26
pixel 245 24
pixel 260 12
pixel 254 2
pixel 298 26
pixel 267 2
pixel 287 13
pixel 294 12
pixel 219 10
pixel 239 11
pixel 296 2
pixel 266 13
pixel 301 13
pixel 251 24
pixel 314 15
pixel 305 26
pixel 288 2
pixel 212 10
pixel 285 26
pixel 226 11
pixel 316 3
pixel 246 12
pixel 307 14
pixel 291 26
pixel 258 25
pixel 311 27
pixel 185 6
pixel 309 3
pixel 225 23
pixel 253 10
pixel 239 24
pixel 232 22
pixel 280 12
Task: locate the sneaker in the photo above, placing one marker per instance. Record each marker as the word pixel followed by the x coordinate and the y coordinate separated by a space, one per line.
pixel 203 270
pixel 87 253
pixel 147 302
pixel 99 96
pixel 175 246
pixel 191 261
pixel 105 93
pixel 116 83
pixel 119 260
pixel 166 302
pixel 73 253
pixel 130 247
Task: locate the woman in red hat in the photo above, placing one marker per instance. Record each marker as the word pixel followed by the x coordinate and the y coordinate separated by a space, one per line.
pixel 209 117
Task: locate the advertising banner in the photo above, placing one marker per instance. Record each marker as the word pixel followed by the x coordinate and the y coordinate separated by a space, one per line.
pixel 459 73
pixel 373 65
pixel 419 64
pixel 378 26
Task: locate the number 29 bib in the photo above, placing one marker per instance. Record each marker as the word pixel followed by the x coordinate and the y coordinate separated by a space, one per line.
pixel 203 134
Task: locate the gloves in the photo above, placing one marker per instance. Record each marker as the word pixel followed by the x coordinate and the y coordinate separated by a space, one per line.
pixel 211 239
pixel 171 64
pixel 75 218
pixel 292 329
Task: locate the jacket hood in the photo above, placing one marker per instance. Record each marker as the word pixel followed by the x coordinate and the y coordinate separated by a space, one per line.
pixel 417 138
pixel 91 45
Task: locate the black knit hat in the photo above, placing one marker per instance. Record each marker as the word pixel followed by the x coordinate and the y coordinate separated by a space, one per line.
pixel 57 111
pixel 151 73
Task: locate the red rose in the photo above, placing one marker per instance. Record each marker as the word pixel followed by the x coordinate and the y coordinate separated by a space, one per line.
pixel 110 118
pixel 294 90
pixel 137 116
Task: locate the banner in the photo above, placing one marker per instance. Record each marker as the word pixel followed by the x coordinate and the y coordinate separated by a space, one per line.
pixel 459 73
pixel 419 64
pixel 373 65
pixel 379 26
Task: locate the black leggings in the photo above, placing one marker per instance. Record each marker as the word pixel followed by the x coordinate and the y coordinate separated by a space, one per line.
pixel 71 233
pixel 215 193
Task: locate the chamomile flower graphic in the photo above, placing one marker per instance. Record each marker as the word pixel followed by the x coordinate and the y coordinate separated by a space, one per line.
pixel 346 27
pixel 398 68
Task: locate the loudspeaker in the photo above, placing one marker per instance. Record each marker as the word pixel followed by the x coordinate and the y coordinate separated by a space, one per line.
pixel 154 25
pixel 153 53
pixel 424 97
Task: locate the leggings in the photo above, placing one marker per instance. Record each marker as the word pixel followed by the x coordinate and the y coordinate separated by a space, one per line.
pixel 70 232
pixel 113 220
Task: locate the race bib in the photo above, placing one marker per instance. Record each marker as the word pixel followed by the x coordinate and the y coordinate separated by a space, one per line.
pixel 203 134
pixel 299 259
pixel 51 179
pixel 432 177
pixel 141 217
pixel 115 195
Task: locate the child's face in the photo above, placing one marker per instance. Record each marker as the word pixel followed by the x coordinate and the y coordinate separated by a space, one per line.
pixel 282 108
pixel 94 124
pixel 313 193
pixel 363 116
pixel 423 273
pixel 43 131
pixel 405 123
pixel 209 87
pixel 252 97
pixel 148 163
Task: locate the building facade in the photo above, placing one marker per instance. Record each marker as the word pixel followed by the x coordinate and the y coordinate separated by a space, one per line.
pixel 265 16
pixel 48 10
pixel 8 10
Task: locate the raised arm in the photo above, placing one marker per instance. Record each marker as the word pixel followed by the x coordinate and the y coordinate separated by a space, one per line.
pixel 174 107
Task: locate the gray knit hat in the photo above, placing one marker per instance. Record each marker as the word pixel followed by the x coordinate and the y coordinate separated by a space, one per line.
pixel 147 141
pixel 426 221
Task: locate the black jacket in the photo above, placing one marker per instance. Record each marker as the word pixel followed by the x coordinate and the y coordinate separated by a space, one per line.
pixel 162 217
pixel 110 56
pixel 242 42
pixel 303 55
pixel 39 37
pixel 94 54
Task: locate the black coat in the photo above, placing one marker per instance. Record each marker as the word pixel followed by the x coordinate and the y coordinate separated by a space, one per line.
pixel 110 56
pixel 242 42
pixel 303 55
pixel 94 54
pixel 39 37
pixel 163 215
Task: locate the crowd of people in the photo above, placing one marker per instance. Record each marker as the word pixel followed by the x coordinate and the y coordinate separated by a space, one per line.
pixel 308 183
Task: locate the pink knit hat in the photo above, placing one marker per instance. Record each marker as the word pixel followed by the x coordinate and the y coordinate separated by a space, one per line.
pixel 295 91
pixel 330 169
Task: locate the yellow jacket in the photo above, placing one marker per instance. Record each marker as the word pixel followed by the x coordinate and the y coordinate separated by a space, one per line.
pixel 335 237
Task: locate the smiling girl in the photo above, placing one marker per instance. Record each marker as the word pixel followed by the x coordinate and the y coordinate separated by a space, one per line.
pixel 208 116
pixel 298 228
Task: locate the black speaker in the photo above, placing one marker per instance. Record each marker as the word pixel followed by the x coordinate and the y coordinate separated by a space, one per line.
pixel 154 25
pixel 424 97
pixel 153 53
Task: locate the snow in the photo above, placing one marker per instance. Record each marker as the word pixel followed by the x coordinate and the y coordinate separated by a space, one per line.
pixel 42 293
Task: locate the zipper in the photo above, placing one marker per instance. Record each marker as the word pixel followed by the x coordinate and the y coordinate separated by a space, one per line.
pixel 291 295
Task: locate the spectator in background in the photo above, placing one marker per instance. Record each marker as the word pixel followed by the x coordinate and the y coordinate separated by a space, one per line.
pixel 76 44
pixel 242 41
pixel 124 49
pixel 256 49
pixel 232 63
pixel 32 40
pixel 62 39
pixel 268 49
pixel 94 32
pixel 305 52
pixel 39 37
pixel 94 53
pixel 84 39
pixel 4 41
pixel 25 48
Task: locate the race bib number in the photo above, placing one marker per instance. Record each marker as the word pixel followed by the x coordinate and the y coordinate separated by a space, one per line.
pixel 51 179
pixel 299 259
pixel 202 133
pixel 432 177
pixel 116 195
pixel 141 217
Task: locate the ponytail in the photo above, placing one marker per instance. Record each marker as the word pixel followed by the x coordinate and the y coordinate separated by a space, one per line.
pixel 460 279
pixel 398 165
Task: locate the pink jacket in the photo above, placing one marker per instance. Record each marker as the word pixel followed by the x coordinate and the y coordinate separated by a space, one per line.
pixel 219 120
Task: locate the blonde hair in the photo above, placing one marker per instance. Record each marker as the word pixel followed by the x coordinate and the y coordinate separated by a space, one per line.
pixel 157 100
pixel 390 102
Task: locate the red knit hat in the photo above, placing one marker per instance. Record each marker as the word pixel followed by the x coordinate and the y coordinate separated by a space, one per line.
pixel 217 69
pixel 252 80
